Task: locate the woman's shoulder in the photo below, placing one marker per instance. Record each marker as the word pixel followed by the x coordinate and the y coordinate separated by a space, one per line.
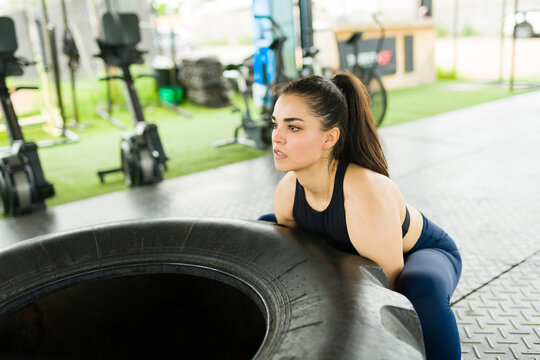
pixel 288 181
pixel 286 187
pixel 360 173
pixel 364 182
pixel 284 200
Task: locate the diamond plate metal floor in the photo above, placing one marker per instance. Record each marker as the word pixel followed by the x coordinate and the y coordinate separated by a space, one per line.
pixel 473 171
pixel 502 319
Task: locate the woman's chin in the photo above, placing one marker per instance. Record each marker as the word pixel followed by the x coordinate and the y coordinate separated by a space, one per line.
pixel 281 166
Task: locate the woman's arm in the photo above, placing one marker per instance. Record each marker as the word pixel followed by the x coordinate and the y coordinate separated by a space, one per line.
pixel 373 220
pixel 284 200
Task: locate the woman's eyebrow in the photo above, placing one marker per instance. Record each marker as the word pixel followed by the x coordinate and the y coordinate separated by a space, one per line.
pixel 292 119
pixel 289 119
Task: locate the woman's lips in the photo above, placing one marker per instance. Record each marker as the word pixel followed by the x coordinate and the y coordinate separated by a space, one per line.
pixel 278 155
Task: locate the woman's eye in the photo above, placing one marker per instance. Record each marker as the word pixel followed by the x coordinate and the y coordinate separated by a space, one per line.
pixel 294 128
pixel 274 125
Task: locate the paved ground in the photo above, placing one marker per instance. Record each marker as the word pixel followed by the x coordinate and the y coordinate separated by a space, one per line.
pixel 474 171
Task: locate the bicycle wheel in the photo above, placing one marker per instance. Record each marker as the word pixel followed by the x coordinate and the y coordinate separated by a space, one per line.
pixel 376 90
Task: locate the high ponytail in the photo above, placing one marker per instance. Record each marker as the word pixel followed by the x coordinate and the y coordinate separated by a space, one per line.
pixel 343 102
pixel 361 142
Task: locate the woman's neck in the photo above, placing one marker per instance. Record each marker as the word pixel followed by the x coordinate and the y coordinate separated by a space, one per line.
pixel 318 179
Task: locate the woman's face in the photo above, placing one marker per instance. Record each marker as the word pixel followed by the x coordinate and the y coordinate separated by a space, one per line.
pixel 298 140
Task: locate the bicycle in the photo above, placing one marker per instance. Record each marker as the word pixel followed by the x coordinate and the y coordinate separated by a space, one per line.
pixel 369 76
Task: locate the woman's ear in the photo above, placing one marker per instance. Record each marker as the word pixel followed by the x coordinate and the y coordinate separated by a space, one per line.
pixel 331 137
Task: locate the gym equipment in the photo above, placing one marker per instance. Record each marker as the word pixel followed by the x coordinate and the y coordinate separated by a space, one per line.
pixel 23 187
pixel 105 110
pixel 203 78
pixel 69 49
pixel 218 288
pixel 269 66
pixel 309 51
pixel 264 32
pixel 368 73
pixel 141 151
pixel 170 92
pixel 66 135
pixel 259 133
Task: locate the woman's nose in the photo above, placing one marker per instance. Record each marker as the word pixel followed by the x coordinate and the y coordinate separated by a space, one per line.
pixel 277 136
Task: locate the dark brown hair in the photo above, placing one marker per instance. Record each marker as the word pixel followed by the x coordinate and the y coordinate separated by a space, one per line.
pixel 343 102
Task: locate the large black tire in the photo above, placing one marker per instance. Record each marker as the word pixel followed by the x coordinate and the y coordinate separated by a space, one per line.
pixel 59 295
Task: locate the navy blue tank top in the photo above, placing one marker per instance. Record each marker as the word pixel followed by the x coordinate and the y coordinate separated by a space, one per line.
pixel 331 221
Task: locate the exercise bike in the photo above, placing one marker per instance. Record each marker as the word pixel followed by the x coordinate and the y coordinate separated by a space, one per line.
pixel 141 151
pixel 259 133
pixel 23 187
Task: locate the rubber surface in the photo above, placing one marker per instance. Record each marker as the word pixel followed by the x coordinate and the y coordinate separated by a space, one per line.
pixel 318 303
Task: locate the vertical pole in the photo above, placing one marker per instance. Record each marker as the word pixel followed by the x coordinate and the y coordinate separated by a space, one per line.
pixel 10 118
pixel 135 108
pixel 306 24
pixel 174 71
pixel 513 63
pixel 74 95
pixel 306 34
pixel 454 36
pixel 72 53
pixel 51 37
pixel 64 15
pixel 501 57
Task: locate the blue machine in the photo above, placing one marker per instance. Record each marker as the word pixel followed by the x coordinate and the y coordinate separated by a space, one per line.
pixel 264 61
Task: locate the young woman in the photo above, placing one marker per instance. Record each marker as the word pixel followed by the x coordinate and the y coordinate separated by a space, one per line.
pixel 337 184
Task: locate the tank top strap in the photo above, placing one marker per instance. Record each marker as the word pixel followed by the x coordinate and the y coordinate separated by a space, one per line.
pixel 336 203
pixel 338 181
pixel 299 197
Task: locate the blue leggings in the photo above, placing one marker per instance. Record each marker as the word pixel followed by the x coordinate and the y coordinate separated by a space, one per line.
pixel 429 277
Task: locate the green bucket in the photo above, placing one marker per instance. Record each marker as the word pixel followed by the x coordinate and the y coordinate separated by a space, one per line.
pixel 171 95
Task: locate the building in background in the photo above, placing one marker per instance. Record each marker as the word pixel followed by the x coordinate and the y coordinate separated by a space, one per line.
pixel 407 56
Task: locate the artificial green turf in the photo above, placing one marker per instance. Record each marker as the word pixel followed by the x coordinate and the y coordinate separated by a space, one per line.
pixel 446 95
pixel 188 141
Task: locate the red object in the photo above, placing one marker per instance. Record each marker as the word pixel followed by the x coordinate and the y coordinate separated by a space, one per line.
pixel 384 57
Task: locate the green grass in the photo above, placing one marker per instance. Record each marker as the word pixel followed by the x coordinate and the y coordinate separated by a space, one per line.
pixel 188 141
pixel 446 95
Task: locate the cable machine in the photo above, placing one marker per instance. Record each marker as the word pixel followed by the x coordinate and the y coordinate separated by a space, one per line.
pixel 69 48
pixel 49 46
